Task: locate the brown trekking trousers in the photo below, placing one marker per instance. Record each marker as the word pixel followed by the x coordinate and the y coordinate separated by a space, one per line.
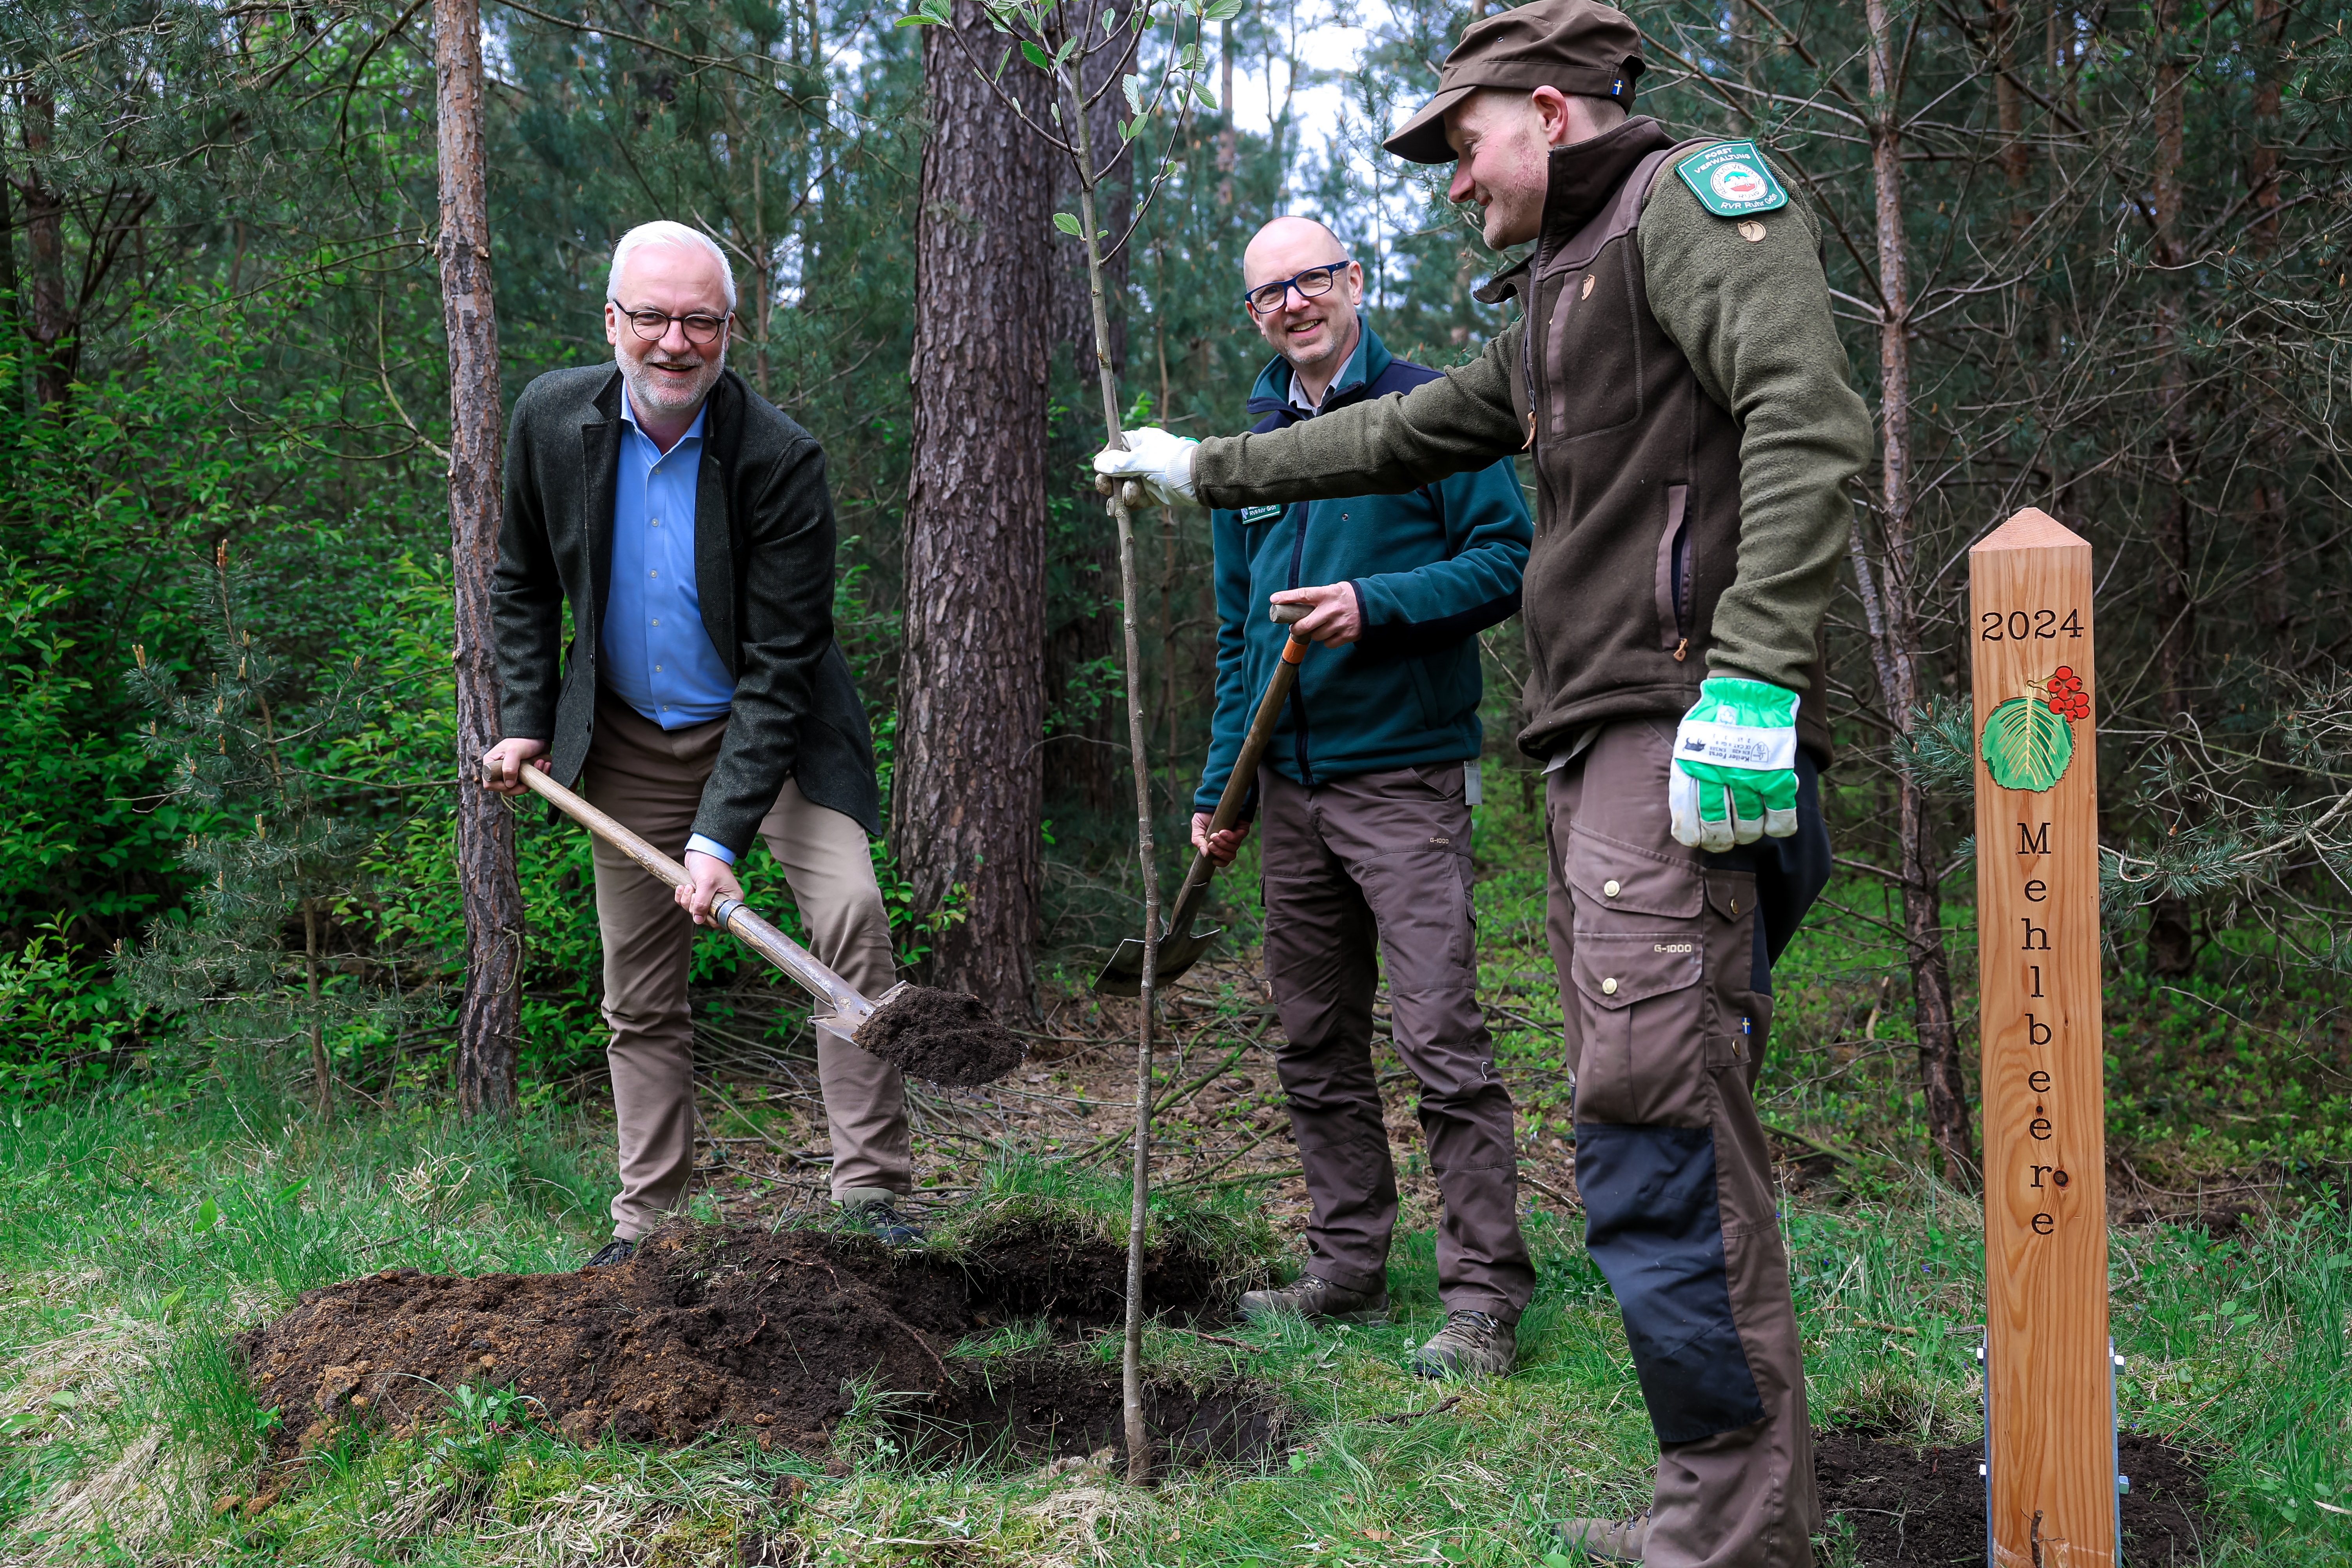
pixel 1357 870
pixel 651 779
pixel 1664 956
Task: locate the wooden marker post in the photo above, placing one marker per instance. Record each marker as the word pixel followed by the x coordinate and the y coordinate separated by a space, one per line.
pixel 2049 1419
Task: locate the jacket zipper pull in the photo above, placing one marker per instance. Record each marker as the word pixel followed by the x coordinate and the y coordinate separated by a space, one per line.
pixel 1681 649
pixel 1531 432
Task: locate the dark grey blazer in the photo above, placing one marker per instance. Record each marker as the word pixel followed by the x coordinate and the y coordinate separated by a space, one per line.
pixel 763 541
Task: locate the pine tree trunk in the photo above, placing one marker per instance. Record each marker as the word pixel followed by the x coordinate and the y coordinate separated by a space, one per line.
pixel 1895 631
pixel 967 797
pixel 490 1012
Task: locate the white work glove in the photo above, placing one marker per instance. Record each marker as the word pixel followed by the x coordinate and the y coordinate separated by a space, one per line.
pixel 1734 776
pixel 1164 463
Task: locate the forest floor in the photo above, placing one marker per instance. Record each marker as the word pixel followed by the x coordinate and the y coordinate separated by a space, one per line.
pixel 141 1250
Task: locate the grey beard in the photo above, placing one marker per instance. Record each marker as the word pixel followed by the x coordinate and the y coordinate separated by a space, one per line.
pixel 643 388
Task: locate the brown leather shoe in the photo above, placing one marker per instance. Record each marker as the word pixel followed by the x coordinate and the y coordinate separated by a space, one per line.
pixel 1606 1540
pixel 1318 1299
pixel 1471 1344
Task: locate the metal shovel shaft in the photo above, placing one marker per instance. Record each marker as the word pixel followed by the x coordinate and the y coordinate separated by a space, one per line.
pixel 849 1009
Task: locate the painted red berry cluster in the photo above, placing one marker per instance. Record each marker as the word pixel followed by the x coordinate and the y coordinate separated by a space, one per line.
pixel 2065 695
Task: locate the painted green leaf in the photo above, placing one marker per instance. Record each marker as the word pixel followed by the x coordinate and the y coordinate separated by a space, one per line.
pixel 2026 746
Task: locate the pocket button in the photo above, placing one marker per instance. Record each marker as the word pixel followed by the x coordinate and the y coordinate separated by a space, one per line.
pixel 1610 889
pixel 1609 987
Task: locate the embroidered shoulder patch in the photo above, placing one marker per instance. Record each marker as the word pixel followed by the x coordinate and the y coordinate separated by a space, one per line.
pixel 1732 180
pixel 1260 513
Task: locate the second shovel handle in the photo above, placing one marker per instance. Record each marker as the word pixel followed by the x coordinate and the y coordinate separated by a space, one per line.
pixel 1244 777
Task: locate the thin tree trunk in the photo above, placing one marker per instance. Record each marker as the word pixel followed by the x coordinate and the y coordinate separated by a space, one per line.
pixel 1139 1434
pixel 2172 937
pixel 1895 630
pixel 968 794
pixel 48 320
pixel 322 1073
pixel 489 1016
pixel 1082 763
pixel 2272 446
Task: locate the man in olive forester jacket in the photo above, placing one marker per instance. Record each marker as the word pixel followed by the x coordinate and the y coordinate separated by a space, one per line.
pixel 1678 381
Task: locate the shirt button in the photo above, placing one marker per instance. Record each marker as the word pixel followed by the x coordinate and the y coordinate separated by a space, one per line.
pixel 1608 987
pixel 653 574
pixel 656 521
pixel 657 620
pixel 1609 888
pixel 657 669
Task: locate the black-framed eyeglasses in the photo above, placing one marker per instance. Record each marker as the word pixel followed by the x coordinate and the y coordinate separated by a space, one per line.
pixel 702 328
pixel 1313 283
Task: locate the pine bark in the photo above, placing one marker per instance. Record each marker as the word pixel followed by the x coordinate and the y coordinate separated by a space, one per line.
pixel 490 1013
pixel 1891 602
pixel 968 794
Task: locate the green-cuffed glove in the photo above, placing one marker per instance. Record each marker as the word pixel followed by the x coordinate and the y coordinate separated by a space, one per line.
pixel 1735 775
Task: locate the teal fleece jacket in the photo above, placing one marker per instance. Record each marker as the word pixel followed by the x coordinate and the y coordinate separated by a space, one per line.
pixel 1432 568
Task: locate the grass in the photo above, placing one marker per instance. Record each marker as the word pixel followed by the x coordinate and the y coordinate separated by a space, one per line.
pixel 140 1233
pixel 135 1245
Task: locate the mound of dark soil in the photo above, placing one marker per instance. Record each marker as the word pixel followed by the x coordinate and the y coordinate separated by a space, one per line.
pixel 1053 1408
pixel 946 1037
pixel 707 1327
pixel 1914 1508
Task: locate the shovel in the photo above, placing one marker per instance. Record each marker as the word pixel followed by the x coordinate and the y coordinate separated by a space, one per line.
pixel 943 1035
pixel 1180 948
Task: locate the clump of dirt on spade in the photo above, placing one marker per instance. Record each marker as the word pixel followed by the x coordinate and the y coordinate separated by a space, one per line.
pixel 945 1037
pixel 1925 1508
pixel 705 1328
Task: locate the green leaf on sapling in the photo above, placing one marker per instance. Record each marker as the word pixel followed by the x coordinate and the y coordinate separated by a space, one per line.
pixel 1133 86
pixel 1201 95
pixel 1036 56
pixel 1069 225
pixel 1221 10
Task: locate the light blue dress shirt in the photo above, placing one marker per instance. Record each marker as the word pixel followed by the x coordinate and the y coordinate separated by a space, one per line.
pixel 657 656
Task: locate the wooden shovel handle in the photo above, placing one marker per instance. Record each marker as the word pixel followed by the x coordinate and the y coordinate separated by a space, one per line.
pixel 837 995
pixel 1243 778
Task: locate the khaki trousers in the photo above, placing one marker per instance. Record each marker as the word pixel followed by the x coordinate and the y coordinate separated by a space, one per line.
pixel 1666 981
pixel 1359 869
pixel 651 779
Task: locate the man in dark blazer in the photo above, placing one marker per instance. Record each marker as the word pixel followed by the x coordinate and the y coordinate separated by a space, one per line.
pixel 703 700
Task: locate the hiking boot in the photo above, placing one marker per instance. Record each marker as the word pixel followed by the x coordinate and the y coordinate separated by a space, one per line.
pixel 1606 1540
pixel 620 1250
pixel 1312 1297
pixel 882 1218
pixel 1471 1344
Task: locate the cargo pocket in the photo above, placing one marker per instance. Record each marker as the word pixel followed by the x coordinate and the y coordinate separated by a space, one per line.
pixel 1641 953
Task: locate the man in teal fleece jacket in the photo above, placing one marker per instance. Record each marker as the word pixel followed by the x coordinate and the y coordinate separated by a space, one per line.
pixel 1365 799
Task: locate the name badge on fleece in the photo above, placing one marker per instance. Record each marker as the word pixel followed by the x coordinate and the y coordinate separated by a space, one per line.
pixel 1732 180
pixel 1260 513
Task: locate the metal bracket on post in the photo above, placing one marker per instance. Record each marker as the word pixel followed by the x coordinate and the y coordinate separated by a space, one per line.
pixel 2115 1420
pixel 1984 1465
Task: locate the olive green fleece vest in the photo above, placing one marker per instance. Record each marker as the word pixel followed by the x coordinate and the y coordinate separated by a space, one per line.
pixel 1637 470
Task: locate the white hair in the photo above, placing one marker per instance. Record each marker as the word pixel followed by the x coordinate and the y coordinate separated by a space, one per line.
pixel 662 231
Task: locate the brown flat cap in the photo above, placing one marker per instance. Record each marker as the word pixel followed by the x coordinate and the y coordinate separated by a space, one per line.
pixel 1580 47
